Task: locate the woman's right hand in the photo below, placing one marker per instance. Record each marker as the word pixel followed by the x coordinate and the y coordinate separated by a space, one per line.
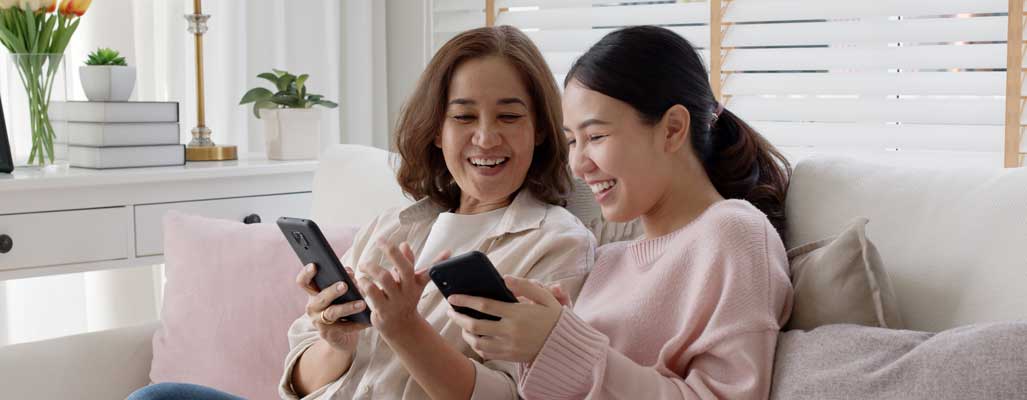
pixel 340 335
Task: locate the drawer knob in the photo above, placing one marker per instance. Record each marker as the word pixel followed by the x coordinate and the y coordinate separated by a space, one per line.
pixel 6 243
pixel 251 219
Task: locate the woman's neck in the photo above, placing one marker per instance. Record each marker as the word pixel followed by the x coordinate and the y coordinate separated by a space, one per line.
pixel 684 200
pixel 471 206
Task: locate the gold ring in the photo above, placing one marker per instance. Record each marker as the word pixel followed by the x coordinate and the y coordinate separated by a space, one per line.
pixel 325 320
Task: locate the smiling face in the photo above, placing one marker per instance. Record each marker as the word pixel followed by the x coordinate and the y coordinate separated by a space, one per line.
pixel 615 152
pixel 488 137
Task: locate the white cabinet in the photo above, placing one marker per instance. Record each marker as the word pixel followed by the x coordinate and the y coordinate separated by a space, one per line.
pixel 85 220
pixel 64 237
pixel 149 236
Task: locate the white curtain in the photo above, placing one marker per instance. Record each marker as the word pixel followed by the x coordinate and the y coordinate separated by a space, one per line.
pixel 245 37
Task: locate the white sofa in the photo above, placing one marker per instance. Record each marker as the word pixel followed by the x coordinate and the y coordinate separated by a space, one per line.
pixel 953 241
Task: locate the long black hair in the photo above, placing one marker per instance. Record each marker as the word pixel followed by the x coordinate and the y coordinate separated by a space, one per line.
pixel 653 69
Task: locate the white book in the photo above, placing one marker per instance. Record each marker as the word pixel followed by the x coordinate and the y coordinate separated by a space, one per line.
pixel 126 157
pixel 114 111
pixel 99 134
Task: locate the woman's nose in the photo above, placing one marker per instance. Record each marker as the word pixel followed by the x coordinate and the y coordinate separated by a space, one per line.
pixel 581 163
pixel 486 136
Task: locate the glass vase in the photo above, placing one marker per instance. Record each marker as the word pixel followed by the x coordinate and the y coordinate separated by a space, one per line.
pixel 34 82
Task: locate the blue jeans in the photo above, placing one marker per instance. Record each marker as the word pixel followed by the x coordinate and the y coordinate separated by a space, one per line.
pixel 177 391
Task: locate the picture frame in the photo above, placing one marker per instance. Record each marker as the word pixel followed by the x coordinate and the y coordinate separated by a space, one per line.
pixel 6 160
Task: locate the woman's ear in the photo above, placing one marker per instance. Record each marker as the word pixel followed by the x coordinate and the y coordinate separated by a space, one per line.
pixel 438 140
pixel 676 122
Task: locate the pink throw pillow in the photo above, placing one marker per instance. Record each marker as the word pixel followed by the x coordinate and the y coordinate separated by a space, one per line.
pixel 229 299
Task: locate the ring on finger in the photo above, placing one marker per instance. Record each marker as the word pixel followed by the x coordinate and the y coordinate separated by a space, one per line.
pixel 324 320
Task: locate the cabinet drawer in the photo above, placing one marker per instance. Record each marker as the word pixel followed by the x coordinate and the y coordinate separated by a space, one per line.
pixel 148 218
pixel 65 237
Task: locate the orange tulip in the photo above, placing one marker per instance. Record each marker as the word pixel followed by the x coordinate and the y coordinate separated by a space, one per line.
pixel 52 6
pixel 77 7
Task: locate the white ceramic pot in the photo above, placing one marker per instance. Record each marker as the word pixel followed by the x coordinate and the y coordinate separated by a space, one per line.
pixel 107 82
pixel 292 133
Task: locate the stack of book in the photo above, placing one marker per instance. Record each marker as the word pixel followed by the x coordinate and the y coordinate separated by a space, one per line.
pixel 103 135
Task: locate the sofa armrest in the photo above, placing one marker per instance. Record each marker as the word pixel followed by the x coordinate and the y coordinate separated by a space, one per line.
pixel 97 365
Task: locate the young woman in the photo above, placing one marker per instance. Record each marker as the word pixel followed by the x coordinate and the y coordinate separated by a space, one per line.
pixel 693 309
pixel 481 150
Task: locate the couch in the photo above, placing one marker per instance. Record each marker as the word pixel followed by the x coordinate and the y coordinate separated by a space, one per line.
pixel 954 242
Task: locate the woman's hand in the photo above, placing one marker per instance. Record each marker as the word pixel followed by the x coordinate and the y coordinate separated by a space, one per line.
pixel 523 328
pixel 393 295
pixel 340 335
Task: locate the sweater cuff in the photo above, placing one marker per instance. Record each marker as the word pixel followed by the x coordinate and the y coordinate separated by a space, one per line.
pixel 569 361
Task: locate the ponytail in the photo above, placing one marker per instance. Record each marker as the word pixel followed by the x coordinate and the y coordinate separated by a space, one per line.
pixel 742 164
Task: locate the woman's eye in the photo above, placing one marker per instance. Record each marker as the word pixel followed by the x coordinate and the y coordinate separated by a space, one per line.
pixel 464 117
pixel 509 117
pixel 593 138
pixel 571 142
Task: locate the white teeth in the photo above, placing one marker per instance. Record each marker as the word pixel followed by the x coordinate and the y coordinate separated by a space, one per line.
pixel 602 186
pixel 488 161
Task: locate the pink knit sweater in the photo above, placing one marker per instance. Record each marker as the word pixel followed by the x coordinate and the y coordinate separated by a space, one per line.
pixel 693 314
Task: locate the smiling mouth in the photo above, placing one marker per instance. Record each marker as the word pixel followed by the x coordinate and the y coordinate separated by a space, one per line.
pixel 487 162
pixel 602 187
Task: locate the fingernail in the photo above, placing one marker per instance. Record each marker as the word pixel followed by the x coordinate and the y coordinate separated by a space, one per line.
pixel 310 267
pixel 358 305
pixel 341 286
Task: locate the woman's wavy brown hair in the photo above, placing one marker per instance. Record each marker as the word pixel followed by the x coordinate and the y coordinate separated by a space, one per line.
pixel 422 169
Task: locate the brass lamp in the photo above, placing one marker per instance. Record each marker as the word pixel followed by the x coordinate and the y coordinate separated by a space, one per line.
pixel 202 148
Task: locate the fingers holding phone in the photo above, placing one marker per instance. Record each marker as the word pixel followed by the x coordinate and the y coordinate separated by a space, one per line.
pixel 328 317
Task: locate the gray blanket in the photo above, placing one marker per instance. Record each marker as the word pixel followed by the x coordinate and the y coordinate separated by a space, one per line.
pixel 981 361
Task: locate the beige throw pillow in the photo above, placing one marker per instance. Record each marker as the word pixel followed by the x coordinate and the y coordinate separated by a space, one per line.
pixel 841 280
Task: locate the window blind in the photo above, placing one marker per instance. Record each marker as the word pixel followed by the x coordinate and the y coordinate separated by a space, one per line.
pixel 893 79
pixel 870 78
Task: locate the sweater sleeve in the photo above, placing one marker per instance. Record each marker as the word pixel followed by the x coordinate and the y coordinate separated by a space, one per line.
pixel 577 362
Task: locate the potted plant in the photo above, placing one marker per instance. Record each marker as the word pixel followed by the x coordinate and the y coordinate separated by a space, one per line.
pixel 106 76
pixel 292 127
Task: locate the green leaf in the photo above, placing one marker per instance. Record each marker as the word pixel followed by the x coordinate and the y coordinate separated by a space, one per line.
pixel 263 104
pixel 314 97
pixel 270 77
pixel 300 81
pixel 256 95
pixel 30 24
pixel 12 44
pixel 287 100
pixel 326 103
pixel 284 82
pixel 279 72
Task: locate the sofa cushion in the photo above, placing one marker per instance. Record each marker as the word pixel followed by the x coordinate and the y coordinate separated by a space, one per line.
pixel 229 299
pixel 841 280
pixel 981 361
pixel 953 239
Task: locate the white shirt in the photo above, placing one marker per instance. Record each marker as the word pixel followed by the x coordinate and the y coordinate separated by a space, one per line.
pixel 464 229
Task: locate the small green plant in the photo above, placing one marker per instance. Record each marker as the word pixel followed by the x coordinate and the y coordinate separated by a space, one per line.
pixel 291 93
pixel 106 56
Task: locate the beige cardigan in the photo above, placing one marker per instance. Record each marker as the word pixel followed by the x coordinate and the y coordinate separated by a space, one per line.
pixel 533 239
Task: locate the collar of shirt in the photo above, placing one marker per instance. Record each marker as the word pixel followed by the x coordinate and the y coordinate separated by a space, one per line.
pixel 524 213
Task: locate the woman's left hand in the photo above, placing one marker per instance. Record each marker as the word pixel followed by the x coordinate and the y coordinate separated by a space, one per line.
pixel 523 328
pixel 393 295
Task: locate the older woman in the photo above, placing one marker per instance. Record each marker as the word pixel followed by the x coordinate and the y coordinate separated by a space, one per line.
pixel 483 154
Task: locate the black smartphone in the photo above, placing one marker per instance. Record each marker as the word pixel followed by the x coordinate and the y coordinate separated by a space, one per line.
pixel 6 162
pixel 471 274
pixel 311 247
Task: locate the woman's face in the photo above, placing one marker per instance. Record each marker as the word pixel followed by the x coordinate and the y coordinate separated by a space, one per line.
pixel 615 152
pixel 488 137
